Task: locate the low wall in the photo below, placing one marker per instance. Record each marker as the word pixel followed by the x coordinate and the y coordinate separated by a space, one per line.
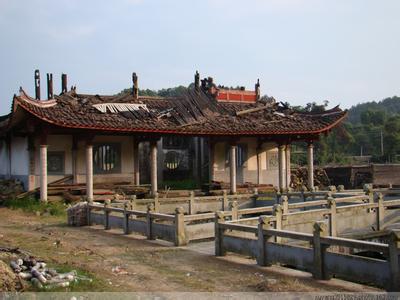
pixel 319 257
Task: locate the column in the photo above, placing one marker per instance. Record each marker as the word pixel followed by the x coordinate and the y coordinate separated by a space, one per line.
pixel 233 168
pixel 258 154
pixel 89 172
pixel 74 153
pixel 310 160
pixel 287 159
pixel 281 159
pixel 153 167
pixel 136 174
pixel 211 153
pixel 43 173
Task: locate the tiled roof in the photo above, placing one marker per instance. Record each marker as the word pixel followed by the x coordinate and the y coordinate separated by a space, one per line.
pixel 195 112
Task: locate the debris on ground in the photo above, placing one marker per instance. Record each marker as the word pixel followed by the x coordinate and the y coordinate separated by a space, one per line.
pixel 8 280
pixel 36 272
pixel 118 270
pixel 77 214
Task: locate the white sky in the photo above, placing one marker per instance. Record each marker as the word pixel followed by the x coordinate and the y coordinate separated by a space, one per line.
pixel 343 51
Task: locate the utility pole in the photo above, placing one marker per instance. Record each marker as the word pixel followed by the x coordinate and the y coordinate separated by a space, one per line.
pixel 381 142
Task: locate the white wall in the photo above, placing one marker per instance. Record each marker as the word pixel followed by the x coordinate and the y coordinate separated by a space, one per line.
pixel 269 173
pixel 64 143
pixel 4 162
pixel 19 156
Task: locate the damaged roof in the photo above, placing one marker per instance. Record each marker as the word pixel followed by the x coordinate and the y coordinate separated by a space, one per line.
pixel 195 112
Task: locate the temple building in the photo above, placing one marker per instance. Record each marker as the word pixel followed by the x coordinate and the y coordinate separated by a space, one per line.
pixel 209 133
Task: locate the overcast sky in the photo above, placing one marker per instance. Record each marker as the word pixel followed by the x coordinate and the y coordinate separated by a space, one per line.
pixel 302 50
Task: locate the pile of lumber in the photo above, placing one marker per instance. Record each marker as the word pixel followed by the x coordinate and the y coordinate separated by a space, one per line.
pixel 299 178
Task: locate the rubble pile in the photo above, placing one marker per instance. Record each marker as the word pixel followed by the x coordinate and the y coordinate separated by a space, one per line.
pixel 40 276
pixel 9 189
pixel 299 178
pixel 77 214
pixel 7 278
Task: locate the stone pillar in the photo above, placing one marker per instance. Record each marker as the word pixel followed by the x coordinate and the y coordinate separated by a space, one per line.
pixel 74 152
pixel 258 154
pixel 287 160
pixel 310 160
pixel 180 237
pixel 320 230
pixel 281 159
pixel 211 153
pixel 232 168
pixel 136 173
pixel 394 239
pixel 43 173
pixel 153 167
pixel 89 172
pixel 219 234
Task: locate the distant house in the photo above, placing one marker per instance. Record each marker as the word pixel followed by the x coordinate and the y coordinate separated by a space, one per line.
pixel 209 132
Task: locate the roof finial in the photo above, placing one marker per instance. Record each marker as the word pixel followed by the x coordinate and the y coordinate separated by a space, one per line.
pixel 257 87
pixel 197 81
pixel 135 87
pixel 37 85
pixel 64 88
pixel 49 86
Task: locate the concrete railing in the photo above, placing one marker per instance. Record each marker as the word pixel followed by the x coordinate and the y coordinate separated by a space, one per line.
pixel 194 227
pixel 192 204
pixel 316 253
pixel 343 220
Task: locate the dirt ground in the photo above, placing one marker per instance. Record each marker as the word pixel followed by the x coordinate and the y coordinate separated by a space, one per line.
pixel 151 265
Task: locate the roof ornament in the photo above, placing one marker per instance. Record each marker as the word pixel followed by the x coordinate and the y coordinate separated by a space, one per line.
pixel 120 107
pixel 64 83
pixel 135 87
pixel 49 86
pixel 257 88
pixel 197 81
pixel 37 85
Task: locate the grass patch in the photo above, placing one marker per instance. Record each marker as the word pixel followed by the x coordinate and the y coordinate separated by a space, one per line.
pixel 186 184
pixel 30 204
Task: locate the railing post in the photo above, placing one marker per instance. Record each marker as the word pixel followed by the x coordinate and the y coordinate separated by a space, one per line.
pixel 331 202
pixel 156 202
pixel 180 236
pixel 191 204
pixel 320 229
pixel 126 218
pixel 234 209
pixel 278 196
pixel 277 211
pixel 263 223
pixel 370 193
pixel 132 203
pixel 303 191
pixel 332 189
pixel 225 201
pixel 149 222
pixel 285 204
pixel 219 234
pixel 255 197
pixel 107 215
pixel 88 211
pixel 394 239
pixel 340 188
pixel 380 213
